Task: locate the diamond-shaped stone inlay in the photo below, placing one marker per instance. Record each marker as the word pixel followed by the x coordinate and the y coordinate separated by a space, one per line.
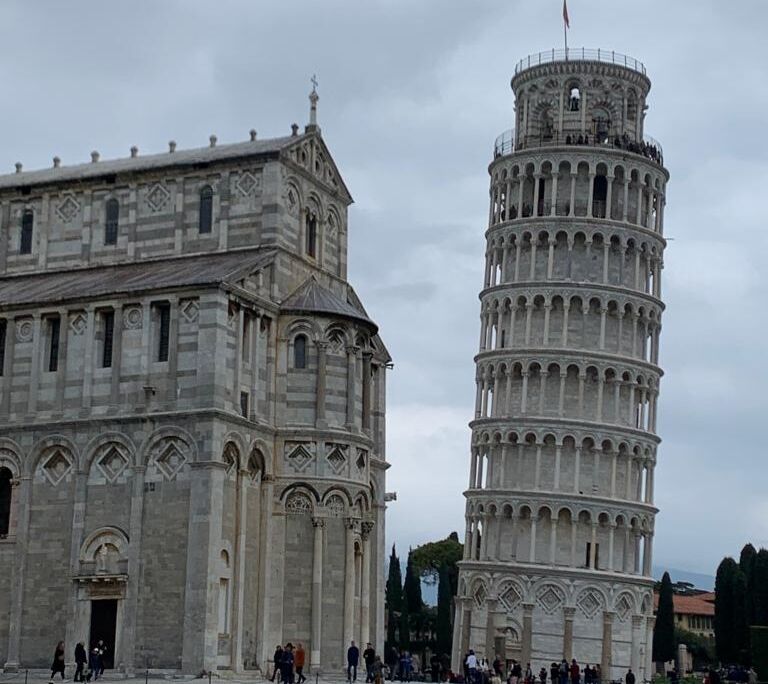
pixel 510 597
pixel 589 603
pixel 335 506
pixel 113 462
pixel 57 466
pixel 362 458
pixel 480 595
pixel 247 183
pixel 298 504
pixel 157 197
pixel 68 208
pixel 78 323
pixel 189 309
pixel 336 459
pixel 170 458
pixel 623 607
pixel 550 598
pixel 299 458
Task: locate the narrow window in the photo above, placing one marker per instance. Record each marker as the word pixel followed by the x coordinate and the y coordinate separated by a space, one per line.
pixel 110 225
pixel 206 210
pixel 164 329
pixel 108 320
pixel 300 352
pixel 244 396
pixel 27 226
pixel 54 330
pixel 3 330
pixel 246 345
pixel 6 478
pixel 311 234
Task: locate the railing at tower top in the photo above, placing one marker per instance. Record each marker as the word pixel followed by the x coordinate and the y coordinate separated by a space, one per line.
pixel 580 55
pixel 649 147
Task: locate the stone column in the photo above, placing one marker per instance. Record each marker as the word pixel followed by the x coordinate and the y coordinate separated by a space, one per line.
pixel 637 621
pixel 76 540
pixel 607 651
pixel 317 596
pixel 255 334
pixel 466 625
pixel 367 355
pixel 352 352
pixel 322 348
pixel 349 584
pixel 527 636
pixel 568 614
pixel 490 626
pixel 24 493
pixel 365 584
pixel 239 569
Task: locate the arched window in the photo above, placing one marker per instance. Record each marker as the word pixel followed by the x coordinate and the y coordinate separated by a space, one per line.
pixel 5 501
pixel 110 224
pixel 206 210
pixel 599 196
pixel 631 106
pixel 574 97
pixel 300 351
pixel 311 234
pixel 27 226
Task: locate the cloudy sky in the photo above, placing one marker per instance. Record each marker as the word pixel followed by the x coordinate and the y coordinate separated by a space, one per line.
pixel 413 93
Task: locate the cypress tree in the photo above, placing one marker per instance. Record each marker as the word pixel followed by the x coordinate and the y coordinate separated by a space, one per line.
pixel 759 589
pixel 664 632
pixel 444 598
pixel 405 628
pixel 740 618
pixel 747 565
pixel 393 596
pixel 725 611
pixel 412 588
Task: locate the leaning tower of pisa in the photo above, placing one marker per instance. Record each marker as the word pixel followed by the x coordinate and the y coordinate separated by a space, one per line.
pixel 560 511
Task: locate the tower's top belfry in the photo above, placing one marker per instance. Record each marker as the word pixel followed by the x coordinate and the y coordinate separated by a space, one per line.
pixel 598 96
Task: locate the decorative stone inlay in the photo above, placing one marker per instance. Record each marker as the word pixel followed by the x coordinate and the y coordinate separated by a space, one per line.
pixel 292 200
pixel 56 466
pixel 298 504
pixel 189 309
pixel 589 603
pixel 335 506
pixel 362 459
pixel 24 330
pixel 550 598
pixel 510 598
pixel 299 457
pixel 157 197
pixel 480 595
pixel 78 323
pixel 113 461
pixel 336 458
pixel 247 184
pixel 170 457
pixel 623 607
pixel 68 208
pixel 132 317
pixel 230 459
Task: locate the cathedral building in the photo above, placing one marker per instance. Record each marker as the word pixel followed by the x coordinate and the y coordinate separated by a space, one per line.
pixel 192 407
pixel 560 505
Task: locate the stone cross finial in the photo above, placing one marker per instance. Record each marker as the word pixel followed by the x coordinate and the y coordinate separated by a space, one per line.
pixel 171 146
pixel 134 151
pixel 313 98
pixel 294 129
pixel 56 162
pixel 212 140
pixel 18 167
pixel 253 134
pixel 94 156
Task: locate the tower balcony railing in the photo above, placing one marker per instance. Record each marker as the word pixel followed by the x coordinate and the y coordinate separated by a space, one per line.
pixel 649 147
pixel 580 55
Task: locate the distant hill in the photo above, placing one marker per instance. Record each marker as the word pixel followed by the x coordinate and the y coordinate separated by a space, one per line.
pixel 697 579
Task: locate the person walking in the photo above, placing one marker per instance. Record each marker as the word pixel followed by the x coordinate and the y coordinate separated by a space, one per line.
pixel 369 658
pixel 93 662
pixel 58 661
pixel 378 671
pixel 102 647
pixel 471 667
pixel 286 670
pixel 629 678
pixel 277 659
pixel 574 672
pixel 81 658
pixel 353 658
pixel 299 658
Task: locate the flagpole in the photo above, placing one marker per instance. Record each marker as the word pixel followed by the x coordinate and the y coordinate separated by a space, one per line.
pixel 565 37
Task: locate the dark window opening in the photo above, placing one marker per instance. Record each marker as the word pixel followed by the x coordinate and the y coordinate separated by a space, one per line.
pixel 110 225
pixel 104 628
pixel 206 210
pixel 588 564
pixel 246 346
pixel 6 488
pixel 599 196
pixel 27 226
pixel 54 331
pixel 164 330
pixel 540 200
pixel 108 319
pixel 244 397
pixel 311 234
pixel 300 352
pixel 3 332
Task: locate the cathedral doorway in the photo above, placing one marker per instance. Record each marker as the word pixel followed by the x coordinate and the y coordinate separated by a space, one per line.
pixel 104 627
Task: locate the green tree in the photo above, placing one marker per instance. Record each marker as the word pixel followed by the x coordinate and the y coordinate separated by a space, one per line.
pixel 746 565
pixel 741 618
pixel 404 640
pixel 393 597
pixel 444 599
pixel 758 589
pixel 731 628
pixel 412 588
pixel 664 631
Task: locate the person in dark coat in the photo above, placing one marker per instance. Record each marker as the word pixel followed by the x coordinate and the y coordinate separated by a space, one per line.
pixel 629 678
pixel 81 658
pixel 58 661
pixel 353 658
pixel 93 662
pixel 277 659
pixel 102 648
pixel 287 664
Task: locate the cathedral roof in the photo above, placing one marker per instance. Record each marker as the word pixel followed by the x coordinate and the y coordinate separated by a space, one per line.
pixel 312 298
pixel 139 163
pixel 161 274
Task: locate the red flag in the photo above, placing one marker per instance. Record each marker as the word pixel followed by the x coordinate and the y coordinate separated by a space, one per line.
pixel 565 14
